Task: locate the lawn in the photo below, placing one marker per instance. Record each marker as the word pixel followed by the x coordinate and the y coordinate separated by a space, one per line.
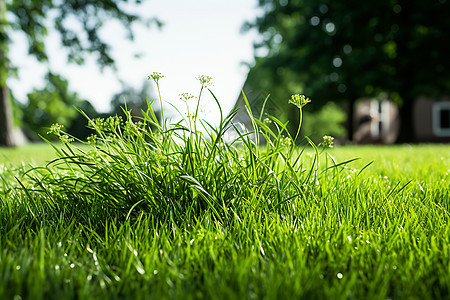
pixel 177 213
pixel 36 153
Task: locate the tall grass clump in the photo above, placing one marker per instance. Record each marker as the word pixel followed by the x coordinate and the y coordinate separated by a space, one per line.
pixel 180 173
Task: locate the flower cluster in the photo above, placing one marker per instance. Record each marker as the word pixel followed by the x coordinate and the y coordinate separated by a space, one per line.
pixel 92 139
pixel 111 124
pixel 285 141
pixel 186 96
pixel 327 142
pixel 65 139
pixel 299 100
pixel 205 80
pixel 55 129
pixel 156 76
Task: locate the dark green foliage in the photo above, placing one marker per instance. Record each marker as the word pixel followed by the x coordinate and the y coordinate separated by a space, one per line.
pixel 54 103
pixel 328 120
pixel 78 126
pixel 135 100
pixel 342 51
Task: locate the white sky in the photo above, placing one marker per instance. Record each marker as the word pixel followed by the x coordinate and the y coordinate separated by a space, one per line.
pixel 199 37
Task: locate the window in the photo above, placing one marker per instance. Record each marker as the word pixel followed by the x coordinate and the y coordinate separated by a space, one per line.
pixel 441 119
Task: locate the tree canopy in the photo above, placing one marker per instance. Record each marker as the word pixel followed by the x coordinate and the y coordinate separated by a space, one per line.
pixel 51 104
pixel 345 50
pixel 32 18
pixel 134 99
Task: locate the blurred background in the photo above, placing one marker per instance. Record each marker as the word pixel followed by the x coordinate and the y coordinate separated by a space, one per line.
pixel 376 73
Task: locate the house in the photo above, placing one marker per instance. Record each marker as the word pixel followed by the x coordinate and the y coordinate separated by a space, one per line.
pixel 378 121
pixel 432 119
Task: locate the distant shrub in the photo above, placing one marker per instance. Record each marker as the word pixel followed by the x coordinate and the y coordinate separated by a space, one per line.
pixel 329 120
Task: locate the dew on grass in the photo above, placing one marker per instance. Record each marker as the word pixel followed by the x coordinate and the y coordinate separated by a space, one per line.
pixel 349 238
pixel 72 266
pixel 18 267
pixel 339 275
pixel 140 270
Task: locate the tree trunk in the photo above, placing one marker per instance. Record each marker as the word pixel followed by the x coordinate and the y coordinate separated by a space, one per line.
pixel 406 134
pixel 350 119
pixel 406 70
pixel 6 119
pixel 6 116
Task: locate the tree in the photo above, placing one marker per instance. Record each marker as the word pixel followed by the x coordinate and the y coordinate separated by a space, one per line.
pixel 135 100
pixel 54 103
pixel 30 17
pixel 344 50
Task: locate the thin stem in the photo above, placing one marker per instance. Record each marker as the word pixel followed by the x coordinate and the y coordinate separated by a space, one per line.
pixel 161 105
pixel 196 109
pixel 299 125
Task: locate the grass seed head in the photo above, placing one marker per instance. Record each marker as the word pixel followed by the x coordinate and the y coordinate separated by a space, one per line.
pixel 186 97
pixel 155 76
pixel 205 81
pixel 327 141
pixel 55 129
pixel 299 100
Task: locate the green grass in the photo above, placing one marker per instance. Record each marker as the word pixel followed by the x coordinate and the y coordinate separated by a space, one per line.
pixel 158 212
pixel 36 153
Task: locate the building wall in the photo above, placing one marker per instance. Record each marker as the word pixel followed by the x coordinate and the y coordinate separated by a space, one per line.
pixel 423 120
pixel 376 122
